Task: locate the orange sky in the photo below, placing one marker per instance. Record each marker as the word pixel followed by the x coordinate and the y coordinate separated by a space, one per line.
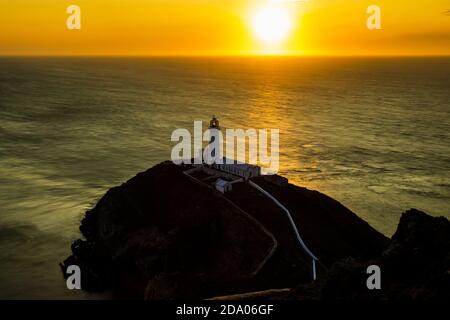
pixel 222 27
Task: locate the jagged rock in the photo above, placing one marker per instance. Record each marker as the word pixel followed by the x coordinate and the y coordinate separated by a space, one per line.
pixel 161 235
pixel 414 266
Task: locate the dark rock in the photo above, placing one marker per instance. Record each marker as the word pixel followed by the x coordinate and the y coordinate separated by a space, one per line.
pixel 162 235
pixel 414 266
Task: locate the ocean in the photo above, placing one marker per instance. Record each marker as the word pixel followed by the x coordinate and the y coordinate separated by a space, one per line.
pixel 373 133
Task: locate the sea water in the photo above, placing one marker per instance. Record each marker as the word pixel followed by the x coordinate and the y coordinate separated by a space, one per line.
pixel 373 133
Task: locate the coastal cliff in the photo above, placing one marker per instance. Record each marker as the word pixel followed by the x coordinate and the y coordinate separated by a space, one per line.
pixel 162 235
pixel 415 266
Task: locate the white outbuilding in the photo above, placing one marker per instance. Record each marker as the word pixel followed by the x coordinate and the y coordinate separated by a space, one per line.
pixel 223 186
pixel 239 169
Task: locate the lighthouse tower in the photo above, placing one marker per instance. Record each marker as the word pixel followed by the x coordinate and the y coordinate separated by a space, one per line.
pixel 214 127
pixel 214 123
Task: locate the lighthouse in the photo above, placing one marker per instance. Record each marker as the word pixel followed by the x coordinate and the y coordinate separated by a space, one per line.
pixel 214 129
pixel 214 123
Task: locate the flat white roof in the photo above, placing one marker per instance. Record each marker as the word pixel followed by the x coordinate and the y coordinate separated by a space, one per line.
pixel 221 183
pixel 242 165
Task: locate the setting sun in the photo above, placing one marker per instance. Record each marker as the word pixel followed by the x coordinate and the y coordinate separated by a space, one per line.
pixel 271 24
pixel 219 27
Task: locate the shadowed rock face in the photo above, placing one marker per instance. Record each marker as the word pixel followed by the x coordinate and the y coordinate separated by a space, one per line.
pixel 161 235
pixel 414 266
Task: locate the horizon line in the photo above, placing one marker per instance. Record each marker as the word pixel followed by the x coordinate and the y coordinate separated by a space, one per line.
pixel 223 55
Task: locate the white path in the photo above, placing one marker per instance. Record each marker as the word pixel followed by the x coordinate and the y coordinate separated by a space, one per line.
pixel 294 227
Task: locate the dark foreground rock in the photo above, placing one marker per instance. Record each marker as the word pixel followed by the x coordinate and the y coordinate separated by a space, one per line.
pixel 414 266
pixel 161 235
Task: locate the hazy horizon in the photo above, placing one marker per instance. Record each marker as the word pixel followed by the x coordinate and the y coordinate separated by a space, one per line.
pixel 230 55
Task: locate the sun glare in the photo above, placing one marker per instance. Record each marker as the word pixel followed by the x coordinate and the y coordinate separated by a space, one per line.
pixel 271 24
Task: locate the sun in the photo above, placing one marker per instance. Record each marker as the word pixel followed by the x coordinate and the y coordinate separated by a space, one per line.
pixel 271 24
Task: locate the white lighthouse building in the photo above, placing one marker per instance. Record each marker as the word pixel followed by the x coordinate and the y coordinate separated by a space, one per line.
pixel 215 134
pixel 229 166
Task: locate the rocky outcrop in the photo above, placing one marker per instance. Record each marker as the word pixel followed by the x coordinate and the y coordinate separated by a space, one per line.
pixel 162 235
pixel 415 265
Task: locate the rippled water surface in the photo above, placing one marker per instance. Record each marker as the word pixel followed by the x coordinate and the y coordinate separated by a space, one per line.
pixel 371 133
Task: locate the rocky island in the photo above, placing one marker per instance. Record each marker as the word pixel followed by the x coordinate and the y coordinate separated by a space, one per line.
pixel 165 234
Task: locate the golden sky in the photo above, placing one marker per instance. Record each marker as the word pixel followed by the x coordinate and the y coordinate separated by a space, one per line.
pixel 222 27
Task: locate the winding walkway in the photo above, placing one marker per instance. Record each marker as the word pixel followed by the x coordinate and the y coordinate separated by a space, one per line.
pixel 274 246
pixel 288 214
pixel 294 227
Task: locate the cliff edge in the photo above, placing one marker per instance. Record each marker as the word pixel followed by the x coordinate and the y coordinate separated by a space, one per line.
pixel 162 235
